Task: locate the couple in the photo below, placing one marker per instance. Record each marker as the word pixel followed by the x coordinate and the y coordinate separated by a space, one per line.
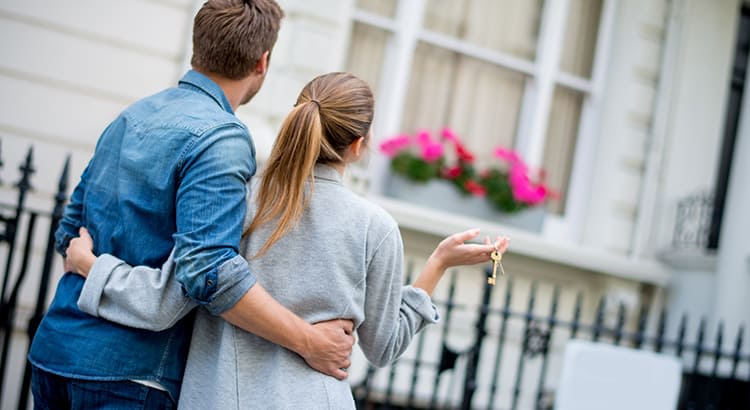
pixel 169 175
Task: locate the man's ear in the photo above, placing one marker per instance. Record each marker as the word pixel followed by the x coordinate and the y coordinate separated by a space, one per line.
pixel 261 67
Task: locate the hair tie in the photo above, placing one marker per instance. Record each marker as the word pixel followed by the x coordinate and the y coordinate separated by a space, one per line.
pixel 316 102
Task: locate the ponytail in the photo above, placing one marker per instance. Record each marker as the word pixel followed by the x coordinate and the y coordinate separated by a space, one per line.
pixel 332 111
pixel 290 166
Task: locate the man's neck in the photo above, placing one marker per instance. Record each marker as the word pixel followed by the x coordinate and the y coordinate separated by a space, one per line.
pixel 234 90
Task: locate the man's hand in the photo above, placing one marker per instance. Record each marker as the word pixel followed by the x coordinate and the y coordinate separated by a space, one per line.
pixel 329 347
pixel 80 255
pixel 325 346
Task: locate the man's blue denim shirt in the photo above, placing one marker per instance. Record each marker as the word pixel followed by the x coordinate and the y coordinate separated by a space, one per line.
pixel 169 172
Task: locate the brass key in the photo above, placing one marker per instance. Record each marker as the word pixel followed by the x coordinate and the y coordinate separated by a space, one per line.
pixel 496 257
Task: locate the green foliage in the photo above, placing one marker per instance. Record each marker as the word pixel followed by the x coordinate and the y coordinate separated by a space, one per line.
pixel 499 191
pixel 414 168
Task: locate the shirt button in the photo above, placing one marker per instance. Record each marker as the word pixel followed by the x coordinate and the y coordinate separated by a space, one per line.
pixel 209 282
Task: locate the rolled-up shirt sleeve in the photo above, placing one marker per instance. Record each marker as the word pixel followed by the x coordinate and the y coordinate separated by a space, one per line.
pixel 140 297
pixel 211 207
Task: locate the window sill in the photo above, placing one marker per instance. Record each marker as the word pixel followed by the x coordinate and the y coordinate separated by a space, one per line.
pixel 440 224
pixel 689 259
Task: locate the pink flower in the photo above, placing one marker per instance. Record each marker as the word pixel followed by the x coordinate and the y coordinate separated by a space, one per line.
pixel 449 135
pixel 452 172
pixel 507 155
pixel 476 189
pixel 423 137
pixel 432 151
pixel 393 146
pixel 530 194
pixel 464 154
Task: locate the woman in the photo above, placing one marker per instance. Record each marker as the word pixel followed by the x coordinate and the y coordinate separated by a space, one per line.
pixel 319 249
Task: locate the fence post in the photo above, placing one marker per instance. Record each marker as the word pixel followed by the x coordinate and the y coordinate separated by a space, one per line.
pixel 41 300
pixel 447 356
pixel 551 323
pixel 529 322
pixel 470 379
pixel 9 309
pixel 23 186
pixel 504 314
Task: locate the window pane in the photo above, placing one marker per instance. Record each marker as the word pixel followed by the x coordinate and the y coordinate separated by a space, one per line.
pixel 480 101
pixel 581 30
pixel 384 7
pixel 509 26
pixel 562 133
pixel 366 53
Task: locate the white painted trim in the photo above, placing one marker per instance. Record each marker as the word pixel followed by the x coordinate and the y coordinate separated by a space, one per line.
pixel 466 48
pixel 689 259
pixel 530 143
pixel 584 157
pixel 575 82
pixel 397 64
pixel 649 195
pixel 441 224
pixel 395 74
pixel 375 20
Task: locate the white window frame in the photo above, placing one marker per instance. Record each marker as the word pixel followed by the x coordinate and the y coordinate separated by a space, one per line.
pixel 544 74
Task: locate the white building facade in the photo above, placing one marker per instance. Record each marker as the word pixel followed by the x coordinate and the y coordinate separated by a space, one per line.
pixel 624 102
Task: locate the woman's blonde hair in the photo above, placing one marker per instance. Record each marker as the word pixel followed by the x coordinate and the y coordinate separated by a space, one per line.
pixel 332 112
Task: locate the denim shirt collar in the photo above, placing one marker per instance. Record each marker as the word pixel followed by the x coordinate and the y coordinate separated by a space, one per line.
pixel 202 83
pixel 328 173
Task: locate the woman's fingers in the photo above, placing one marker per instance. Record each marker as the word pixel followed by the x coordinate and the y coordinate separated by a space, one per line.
pixel 464 236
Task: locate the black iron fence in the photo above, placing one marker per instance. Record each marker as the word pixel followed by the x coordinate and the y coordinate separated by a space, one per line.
pixel 18 224
pixel 498 354
pixel 517 352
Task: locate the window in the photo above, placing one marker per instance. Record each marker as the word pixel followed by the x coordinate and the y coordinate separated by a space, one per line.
pixel 520 74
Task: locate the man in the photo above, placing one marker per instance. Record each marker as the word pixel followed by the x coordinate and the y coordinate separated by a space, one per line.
pixel 170 171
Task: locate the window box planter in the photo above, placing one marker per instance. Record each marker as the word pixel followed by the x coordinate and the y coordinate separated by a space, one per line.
pixel 442 195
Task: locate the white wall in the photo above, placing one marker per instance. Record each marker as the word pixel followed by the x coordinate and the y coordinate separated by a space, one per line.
pixel 733 267
pixel 693 132
pixel 625 127
pixel 66 69
pixel 697 107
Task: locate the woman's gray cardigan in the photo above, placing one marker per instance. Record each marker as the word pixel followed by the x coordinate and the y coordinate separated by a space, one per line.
pixel 343 260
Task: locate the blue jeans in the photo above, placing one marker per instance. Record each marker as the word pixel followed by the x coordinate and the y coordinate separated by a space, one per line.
pixel 53 392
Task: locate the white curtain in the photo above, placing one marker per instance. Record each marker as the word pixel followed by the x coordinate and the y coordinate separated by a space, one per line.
pixel 480 101
pixel 383 7
pixel 509 26
pixel 560 145
pixel 577 55
pixel 581 27
pixel 366 53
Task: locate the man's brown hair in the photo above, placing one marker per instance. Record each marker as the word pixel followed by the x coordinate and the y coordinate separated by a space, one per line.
pixel 230 36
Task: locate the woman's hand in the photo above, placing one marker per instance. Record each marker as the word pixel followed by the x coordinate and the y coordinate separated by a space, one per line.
pixel 454 251
pixel 80 254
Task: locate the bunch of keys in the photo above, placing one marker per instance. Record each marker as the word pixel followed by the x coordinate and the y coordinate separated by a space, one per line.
pixel 496 258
